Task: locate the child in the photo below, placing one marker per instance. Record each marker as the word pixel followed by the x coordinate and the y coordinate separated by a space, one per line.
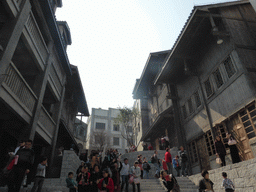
pixel 227 183
pixel 40 175
pixel 176 165
pixel 71 184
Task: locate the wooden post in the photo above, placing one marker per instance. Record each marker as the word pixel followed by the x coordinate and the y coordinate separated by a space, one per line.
pixel 10 36
pixel 55 137
pixel 40 94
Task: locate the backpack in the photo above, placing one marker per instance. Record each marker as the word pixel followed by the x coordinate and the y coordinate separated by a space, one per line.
pixel 145 166
pixel 153 160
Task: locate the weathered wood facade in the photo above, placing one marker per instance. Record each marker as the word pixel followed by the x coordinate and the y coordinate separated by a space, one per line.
pixel 212 82
pixel 35 77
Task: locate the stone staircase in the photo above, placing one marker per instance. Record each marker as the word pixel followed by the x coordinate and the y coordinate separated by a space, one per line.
pixel 155 185
pixel 151 185
pixel 186 185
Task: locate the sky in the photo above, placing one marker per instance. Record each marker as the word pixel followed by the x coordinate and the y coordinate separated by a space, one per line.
pixel 112 39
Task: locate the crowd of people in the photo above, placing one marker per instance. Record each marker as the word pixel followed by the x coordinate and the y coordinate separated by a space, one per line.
pixel 106 172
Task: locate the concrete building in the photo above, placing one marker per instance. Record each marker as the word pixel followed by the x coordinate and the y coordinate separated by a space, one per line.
pixel 205 85
pixel 40 91
pixel 102 125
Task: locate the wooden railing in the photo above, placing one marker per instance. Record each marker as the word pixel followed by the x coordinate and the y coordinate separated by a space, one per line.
pixel 56 79
pixel 37 37
pixel 19 87
pixel 46 120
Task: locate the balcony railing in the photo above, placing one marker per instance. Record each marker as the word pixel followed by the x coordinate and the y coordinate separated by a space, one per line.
pixel 19 87
pixel 55 79
pixel 37 37
pixel 46 120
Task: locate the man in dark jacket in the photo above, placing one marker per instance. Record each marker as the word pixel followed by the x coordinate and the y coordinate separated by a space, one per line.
pixel 24 165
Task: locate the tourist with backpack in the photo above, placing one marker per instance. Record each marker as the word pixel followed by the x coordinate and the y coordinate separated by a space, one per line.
pixel 184 161
pixel 146 167
pixel 156 162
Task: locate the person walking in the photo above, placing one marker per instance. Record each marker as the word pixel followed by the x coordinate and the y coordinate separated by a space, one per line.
pixel 176 165
pixel 184 161
pixel 169 181
pixel 140 165
pixel 146 168
pixel 220 150
pixel 24 165
pixel 156 163
pixel 125 175
pixel 135 172
pixel 233 149
pixel 116 177
pixel 168 160
pixel 205 184
pixel 40 175
pixel 227 183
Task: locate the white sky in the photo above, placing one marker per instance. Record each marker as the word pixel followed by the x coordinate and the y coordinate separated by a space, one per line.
pixel 112 39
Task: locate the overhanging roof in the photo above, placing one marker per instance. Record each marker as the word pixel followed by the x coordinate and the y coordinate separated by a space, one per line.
pixel 182 43
pixel 54 30
pixel 155 130
pixel 154 60
pixel 79 96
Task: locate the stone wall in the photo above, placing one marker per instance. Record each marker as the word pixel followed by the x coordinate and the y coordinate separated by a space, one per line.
pixel 242 174
pixel 132 157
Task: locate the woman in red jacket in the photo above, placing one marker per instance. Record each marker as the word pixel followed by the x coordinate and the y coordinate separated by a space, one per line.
pixel 106 184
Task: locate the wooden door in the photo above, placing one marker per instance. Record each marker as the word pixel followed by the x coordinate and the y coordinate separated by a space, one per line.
pixel 242 136
pixel 203 154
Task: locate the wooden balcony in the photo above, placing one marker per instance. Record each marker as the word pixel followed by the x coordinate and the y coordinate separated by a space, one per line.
pixel 18 88
pixel 36 41
pixel 14 6
pixel 46 123
pixel 55 80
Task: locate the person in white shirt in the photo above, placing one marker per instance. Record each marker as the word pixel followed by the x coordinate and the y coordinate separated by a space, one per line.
pixel 21 145
pixel 40 175
pixel 125 175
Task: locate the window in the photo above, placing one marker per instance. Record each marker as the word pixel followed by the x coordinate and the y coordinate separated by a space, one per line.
pixel 100 126
pixel 116 127
pixel 193 152
pixel 210 143
pixel 221 131
pixel 190 106
pixel 229 66
pixel 208 87
pixel 248 118
pixel 197 99
pixel 184 111
pixel 218 78
pixel 116 141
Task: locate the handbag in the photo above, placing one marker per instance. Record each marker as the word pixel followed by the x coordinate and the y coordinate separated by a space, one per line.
pixel 218 160
pixel 231 142
pixel 131 180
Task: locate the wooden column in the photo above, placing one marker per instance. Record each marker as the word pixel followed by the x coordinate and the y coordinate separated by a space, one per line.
pixel 172 89
pixel 10 36
pixel 40 91
pixel 55 137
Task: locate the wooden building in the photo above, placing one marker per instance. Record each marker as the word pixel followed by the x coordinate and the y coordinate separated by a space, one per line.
pixel 40 91
pixel 210 75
